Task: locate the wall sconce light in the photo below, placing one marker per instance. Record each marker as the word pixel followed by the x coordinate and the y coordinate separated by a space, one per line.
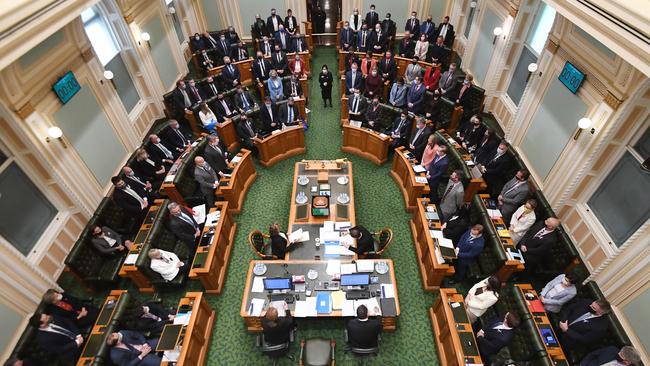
pixel 171 10
pixel 108 75
pixel 497 32
pixel 145 37
pixel 55 132
pixel 584 124
pixel 532 67
pixel 472 4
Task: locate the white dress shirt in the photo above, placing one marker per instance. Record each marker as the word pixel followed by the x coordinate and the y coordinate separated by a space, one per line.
pixel 167 265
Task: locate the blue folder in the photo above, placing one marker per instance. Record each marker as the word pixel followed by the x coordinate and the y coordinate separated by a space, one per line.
pixel 324 302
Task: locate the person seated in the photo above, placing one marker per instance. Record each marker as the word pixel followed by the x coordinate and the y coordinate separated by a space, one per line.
pixel 130 200
pixel 146 317
pixel 108 242
pixel 356 106
pixel 243 100
pixel 239 52
pixel 522 220
pixel 536 244
pixel 481 297
pixel 166 264
pixel 288 113
pixel 367 64
pixel 432 77
pixel 230 73
pixel 496 167
pixel 513 194
pixel 468 248
pixel 183 226
pixel 65 305
pixel 298 44
pixel 224 108
pixel 415 96
pixel 279 242
pixel 471 134
pixel 453 198
pixel 374 114
pixel 499 334
pixel 612 356
pixel 399 130
pixel 279 61
pixel 353 80
pixel 582 323
pixel 292 87
pixel 206 61
pixel 246 131
pixel 57 335
pixel 297 66
pixel 374 84
pixel 397 96
pixel 277 329
pixel 387 68
pixel 363 332
pixel 275 87
pixel 208 118
pixel 365 240
pixel 558 292
pixel 161 153
pixel 132 348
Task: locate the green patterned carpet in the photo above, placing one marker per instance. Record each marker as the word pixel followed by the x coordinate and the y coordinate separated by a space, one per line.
pixel 378 203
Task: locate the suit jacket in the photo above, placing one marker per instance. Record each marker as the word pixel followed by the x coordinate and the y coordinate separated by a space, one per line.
pixel 232 37
pixel 494 339
pixel 389 27
pixel 450 33
pixel 348 81
pixel 413 26
pixel 361 109
pixel 267 118
pixel 158 155
pixel 436 170
pixel 429 29
pixel 102 245
pixel 366 243
pixel 287 41
pixel 438 53
pixel 208 90
pixel 538 247
pixel 554 303
pixel 397 95
pixel 257 69
pixel 284 114
pixel 372 18
pixel 57 343
pixel 375 115
pixel 350 59
pixel 238 56
pixel 403 130
pixel 388 67
pixel 129 357
pixel 178 101
pixel 259 29
pixel 240 103
pixel 146 170
pixel 496 168
pixel 242 131
pixel 346 37
pixel 600 356
pixel 412 71
pixel 174 138
pixel 229 76
pixel 287 88
pixel 415 95
pixel 485 151
pixel 361 47
pixel 223 48
pixel 269 23
pixel 419 141
pixel 299 42
pixel 206 61
pixel 406 47
pixel 206 179
pixel 282 64
pixel 267 47
pixel 451 202
pixel 363 334
pixel 469 249
pixel 76 306
pixel 221 112
pixel 513 196
pixel 378 42
pixel 447 81
pixel 216 158
pixel 478 304
pixel 279 332
pixel 472 136
pixel 287 25
pixel 127 202
pixel 584 333
pixel 181 228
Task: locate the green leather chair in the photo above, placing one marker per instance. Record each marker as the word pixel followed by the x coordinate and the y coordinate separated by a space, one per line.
pixel 456 162
pixel 184 178
pixel 493 255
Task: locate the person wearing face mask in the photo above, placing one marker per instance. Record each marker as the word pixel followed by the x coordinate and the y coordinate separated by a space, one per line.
pixel 446 31
pixel 209 40
pixel 261 69
pixel 243 100
pixel 397 95
pixel 372 18
pixel 269 115
pixel 346 38
pixel 374 115
pixel 432 77
pixel 61 304
pixel 406 46
pixel 461 94
pixel 453 197
pixel 239 52
pixel 325 81
pixel 353 79
pixel 356 106
pixel 292 87
pixel 297 66
pixel 289 115
pixel 283 39
pixel 223 46
pixel 207 179
pixel 421 48
pixel 275 87
pixel 351 58
pixel 367 64
pixel 133 202
pixel 437 168
pixel 583 323
pixel 387 68
pixel 364 39
pixel 430 151
pixel 522 220
pixel 216 155
pixel 290 23
pixel 197 43
pixel 206 61
pixel 481 297
pixel 413 70
pixel 439 51
pixel 389 27
pixel 418 140
pixel 471 133
pixel 415 96
pixel 266 46
pixel 467 250
pixel 355 21
pixel 230 73
pixel 612 356
pixel 399 130
pixel 279 61
pixel 129 347
pixel 378 39
pixel 232 36
pixel 374 84
pixel 211 87
pixel 273 22
pixel 558 292
pixel 246 131
pixel 536 245
pixel 141 184
pixel 413 25
pixel 195 94
pixel 181 219
pixel 224 108
pixel 428 29
pixel 497 164
pixel 159 152
pixel 513 194
pixel 486 148
pixel 447 80
pixel 259 28
pixel 298 43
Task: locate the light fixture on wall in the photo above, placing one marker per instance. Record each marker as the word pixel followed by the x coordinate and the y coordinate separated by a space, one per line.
pixel 497 32
pixel 532 67
pixel 472 4
pixel 108 75
pixel 584 124
pixel 55 132
pixel 171 10
pixel 145 37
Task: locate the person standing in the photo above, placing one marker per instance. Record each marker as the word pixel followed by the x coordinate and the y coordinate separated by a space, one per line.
pixel 522 220
pixel 468 249
pixel 452 199
pixel 481 297
pixel 325 81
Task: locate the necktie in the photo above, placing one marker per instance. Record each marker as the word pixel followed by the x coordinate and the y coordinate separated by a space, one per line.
pixel 262 67
pixel 354 76
pixel 426 30
pixel 186 98
pixel 241 54
pixel 223 45
pixel 347 37
pixel 180 135
pixel 267 48
pixel 399 127
pixel 165 151
pixel 462 91
pixel 496 157
pixel 61 330
pixel 282 39
pixel 213 43
pixel 196 94
pixel 355 106
pixel 250 130
pixel 231 69
pixel 293 89
pixel 136 179
pixel 417 134
pixel 225 107
pixel 513 187
pixel 270 112
pixel 446 193
pixel 412 23
pixel 443 31
pixel 299 46
pixel 187 219
pixel 363 42
pixel 584 316
pixel 217 149
pixel 540 233
pixel 289 114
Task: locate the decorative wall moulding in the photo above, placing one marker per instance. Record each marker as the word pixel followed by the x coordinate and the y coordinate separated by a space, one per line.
pixel 612 100
pixel 25 110
pixel 551 46
pixel 87 54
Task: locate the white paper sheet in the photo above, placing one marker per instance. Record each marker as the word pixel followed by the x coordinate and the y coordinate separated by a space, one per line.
pixel 333 266
pixel 183 318
pixel 307 308
pixel 257 305
pixel 347 239
pixel 131 258
pixel 342 225
pixel 212 218
pixel 236 159
pixel 348 308
pixel 169 178
pixel 348 268
pixel 446 243
pixel 258 285
pixel 328 226
pixel 439 257
pixel 387 291
pixel 172 356
pixel 494 214
pixel 295 236
pixel 436 234
pixel 365 265
pixel 337 250
pixel 421 180
pixel 199 213
pixel 419 169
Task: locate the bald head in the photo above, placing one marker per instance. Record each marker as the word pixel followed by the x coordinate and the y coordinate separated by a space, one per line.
pixel 154 138
pixel 551 223
pixel 199 160
pixel 127 170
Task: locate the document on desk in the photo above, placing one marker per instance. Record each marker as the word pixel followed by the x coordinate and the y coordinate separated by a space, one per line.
pixel 279 306
pixel 439 257
pixel 329 235
pixel 436 234
pixel 328 226
pixel 348 309
pixel 342 225
pixel 338 297
pixel 299 236
pixel 258 285
pixel 494 214
pixel 131 258
pixel 355 123
pixel 348 268
pixel 183 318
pixel 172 356
pixel 419 169
pixel 212 218
pixel 236 159
pixel 199 213
pixel 421 180
pixel 372 304
pixel 387 290
pixel 169 178
pixel 347 239
pixel 306 308
pixel 446 243
pixel 476 172
pixel 256 307
pixel 337 250
pixel 333 266
pixel 365 265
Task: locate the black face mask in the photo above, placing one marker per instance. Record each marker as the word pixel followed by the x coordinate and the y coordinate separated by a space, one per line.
pixel 593 311
pixel 619 359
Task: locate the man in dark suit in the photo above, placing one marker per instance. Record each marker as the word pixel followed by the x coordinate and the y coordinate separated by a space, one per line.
pixel 439 51
pixel 583 323
pixel 57 335
pixel 378 40
pixel 292 87
pixel 207 179
pixel 399 131
pixel 536 244
pixel 513 194
pixel 216 155
pixel 134 203
pixel 356 106
pixel 372 17
pixel 269 115
pixel 447 80
pixel 446 31
pixel 161 153
pixel 259 28
pixel 497 335
pixel 211 87
pixel 261 68
pixel 290 23
pixel 243 100
pixel 363 332
pixel 174 137
pixel 471 133
pixel 428 28
pixel 283 39
pixel 276 329
pixel 351 58
pixel 406 46
pixel 419 139
pixel 346 39
pixel 181 100
pixel 626 355
pixel 461 94
pixel 223 47
pixel 129 347
pixel 279 61
pixel 415 96
pixel 197 43
pixel 239 52
pixel 374 115
pixel 230 73
pixel 365 240
pixel 413 25
pixel 437 168
pixel 273 22
pixel 183 225
pixel 141 184
pixel 108 242
pixel 388 68
pixel 196 95
pixel 232 36
pixel 389 27
pixel 468 248
pixel 298 43
pixel 494 171
pixel 206 60
pixel 288 113
pixel 246 132
pixel 364 40
pixel 266 46
pixel 486 149
pixel 224 108
pixel 64 305
pixel 353 79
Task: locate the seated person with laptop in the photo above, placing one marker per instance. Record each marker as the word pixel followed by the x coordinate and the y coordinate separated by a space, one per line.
pixel 132 348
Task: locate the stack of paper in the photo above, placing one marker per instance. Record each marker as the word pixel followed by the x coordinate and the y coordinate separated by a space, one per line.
pixel 328 226
pixel 338 297
pixel 494 214
pixel 333 266
pixel 183 318
pixel 256 307
pixel 342 225
pixel 131 258
pixel 365 265
pixel 421 180
pixel 419 169
pixel 387 291
pixel 436 234
pixel 348 308
pixel 258 284
pixel 172 356
pixel 169 178
pixel 337 250
pixel 305 308
pixel 446 243
pixel 348 268
pixel 199 213
pixel 212 218
pixel 236 159
pixel 299 236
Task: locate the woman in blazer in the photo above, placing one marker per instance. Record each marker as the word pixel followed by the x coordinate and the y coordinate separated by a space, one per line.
pixel 522 220
pixel 275 86
pixel 481 296
pixel 558 292
pixel 421 48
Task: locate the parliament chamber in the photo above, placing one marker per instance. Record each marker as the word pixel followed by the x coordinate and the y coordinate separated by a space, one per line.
pixel 322 182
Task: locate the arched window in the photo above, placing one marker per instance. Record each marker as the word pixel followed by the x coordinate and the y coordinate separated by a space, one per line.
pixel 100 35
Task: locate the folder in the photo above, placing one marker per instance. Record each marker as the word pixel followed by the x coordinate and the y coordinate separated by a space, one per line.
pixel 536 306
pixel 324 302
pixel 388 307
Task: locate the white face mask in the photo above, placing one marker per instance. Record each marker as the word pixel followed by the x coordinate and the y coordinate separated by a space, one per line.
pixel 374 73
pixel 500 151
pixel 412 16
pixel 197 38
pixel 466 82
pixel 324 71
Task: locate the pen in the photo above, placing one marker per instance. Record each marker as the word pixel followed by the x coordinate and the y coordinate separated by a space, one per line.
pixel 250 309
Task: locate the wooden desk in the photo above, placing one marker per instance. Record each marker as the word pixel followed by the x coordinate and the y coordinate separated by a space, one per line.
pixel 210 264
pixel 449 327
pixel 366 143
pixel 510 266
pixel 116 298
pixel 131 270
pixel 197 333
pixel 431 270
pixel 330 170
pixel 168 187
pixel 281 145
pixel 245 71
pixel 228 134
pixel 555 353
pixel 476 184
pixel 234 188
pixel 276 268
pixel 404 175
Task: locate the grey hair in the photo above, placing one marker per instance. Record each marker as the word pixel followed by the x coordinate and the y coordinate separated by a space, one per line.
pixel 172 205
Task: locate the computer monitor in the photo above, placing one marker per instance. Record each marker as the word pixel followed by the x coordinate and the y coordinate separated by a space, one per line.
pixel 548 336
pixel 355 279
pixel 279 283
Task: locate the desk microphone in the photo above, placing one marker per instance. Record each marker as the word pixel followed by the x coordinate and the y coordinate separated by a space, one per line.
pixel 284 266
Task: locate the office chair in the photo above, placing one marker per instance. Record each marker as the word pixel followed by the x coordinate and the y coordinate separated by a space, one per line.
pixel 317 352
pixel 357 351
pixel 381 245
pixel 257 241
pixel 275 351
